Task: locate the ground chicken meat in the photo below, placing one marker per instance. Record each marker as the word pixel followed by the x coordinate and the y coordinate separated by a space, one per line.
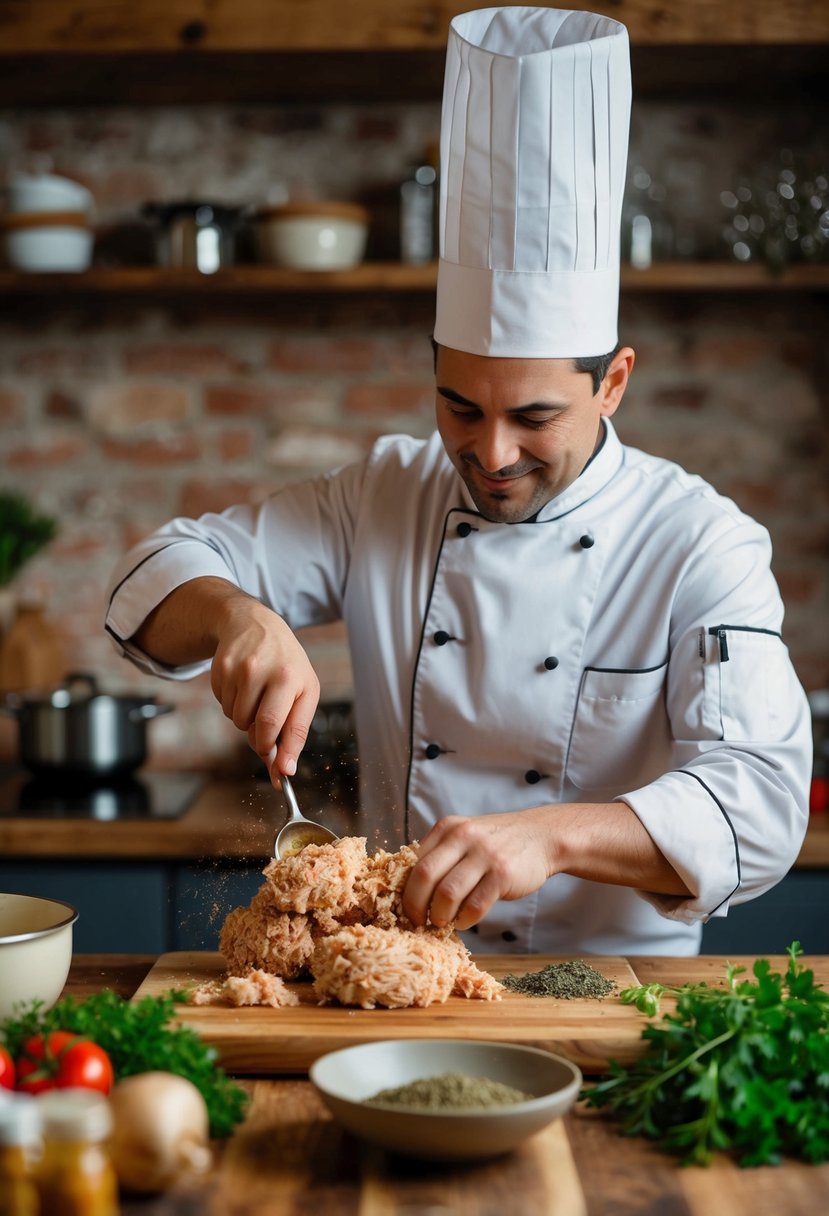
pixel 256 938
pixel 395 968
pixel 319 877
pixel 332 910
pixel 379 889
pixel 258 988
pixel 255 988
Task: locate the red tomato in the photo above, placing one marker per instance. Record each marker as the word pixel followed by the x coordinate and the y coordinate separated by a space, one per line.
pixel 62 1060
pixel 6 1069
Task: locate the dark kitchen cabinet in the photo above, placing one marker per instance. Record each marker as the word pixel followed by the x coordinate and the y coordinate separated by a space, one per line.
pixel 124 907
pixel 138 907
pixel 202 895
pixel 797 909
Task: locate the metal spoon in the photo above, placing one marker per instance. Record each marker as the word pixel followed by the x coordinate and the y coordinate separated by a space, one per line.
pixel 298 831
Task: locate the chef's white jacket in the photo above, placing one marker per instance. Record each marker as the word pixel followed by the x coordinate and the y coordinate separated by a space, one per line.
pixel 624 644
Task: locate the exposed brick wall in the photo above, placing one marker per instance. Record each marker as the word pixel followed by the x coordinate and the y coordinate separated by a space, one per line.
pixel 117 415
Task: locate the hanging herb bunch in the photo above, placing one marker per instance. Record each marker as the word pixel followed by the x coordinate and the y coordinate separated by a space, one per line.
pixel 741 1069
pixel 23 533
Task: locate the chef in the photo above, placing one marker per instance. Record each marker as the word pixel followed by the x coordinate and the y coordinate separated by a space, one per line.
pixel 570 681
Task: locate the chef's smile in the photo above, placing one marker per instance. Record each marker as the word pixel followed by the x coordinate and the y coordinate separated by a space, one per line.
pixel 519 431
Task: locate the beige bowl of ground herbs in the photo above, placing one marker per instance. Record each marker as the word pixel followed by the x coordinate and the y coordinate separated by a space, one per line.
pixel 445 1099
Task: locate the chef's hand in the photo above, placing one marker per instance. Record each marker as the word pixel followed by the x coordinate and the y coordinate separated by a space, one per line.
pixel 260 675
pixel 465 865
pixel 265 684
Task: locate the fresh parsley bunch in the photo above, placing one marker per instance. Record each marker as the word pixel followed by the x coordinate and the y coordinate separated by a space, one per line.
pixel 742 1069
pixel 137 1037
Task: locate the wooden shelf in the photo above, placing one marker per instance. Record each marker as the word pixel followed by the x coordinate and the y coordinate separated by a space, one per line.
pixel 192 26
pixel 192 52
pixel 378 277
pixel 723 276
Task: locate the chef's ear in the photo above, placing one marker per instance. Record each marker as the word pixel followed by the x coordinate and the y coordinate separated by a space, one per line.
pixel 616 380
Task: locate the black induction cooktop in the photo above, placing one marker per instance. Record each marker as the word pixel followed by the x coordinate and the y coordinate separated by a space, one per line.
pixel 141 795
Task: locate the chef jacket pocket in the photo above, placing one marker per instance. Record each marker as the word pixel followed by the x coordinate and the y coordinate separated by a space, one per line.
pixel 748 683
pixel 620 731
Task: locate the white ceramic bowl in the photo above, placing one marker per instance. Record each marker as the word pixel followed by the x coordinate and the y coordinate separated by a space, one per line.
pixel 46 192
pixel 346 1078
pixel 35 949
pixel 312 236
pixel 47 247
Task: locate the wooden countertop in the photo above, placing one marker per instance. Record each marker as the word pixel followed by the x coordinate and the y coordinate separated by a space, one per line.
pixel 234 820
pixel 289 1157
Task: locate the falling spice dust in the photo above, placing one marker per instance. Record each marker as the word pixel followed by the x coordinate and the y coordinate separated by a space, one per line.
pixel 567 981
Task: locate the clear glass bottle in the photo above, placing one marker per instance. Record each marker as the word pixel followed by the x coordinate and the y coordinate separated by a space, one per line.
pixel 19 1150
pixel 419 210
pixel 75 1176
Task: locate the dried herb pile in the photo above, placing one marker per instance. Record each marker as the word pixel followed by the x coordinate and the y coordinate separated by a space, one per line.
pixel 567 981
pixel 450 1091
pixel 742 1068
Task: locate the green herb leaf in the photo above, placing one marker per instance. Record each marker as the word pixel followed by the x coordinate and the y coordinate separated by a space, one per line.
pixel 742 1068
pixel 23 532
pixel 137 1037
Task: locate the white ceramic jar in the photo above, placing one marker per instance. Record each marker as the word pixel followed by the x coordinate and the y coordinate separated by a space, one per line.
pixel 45 241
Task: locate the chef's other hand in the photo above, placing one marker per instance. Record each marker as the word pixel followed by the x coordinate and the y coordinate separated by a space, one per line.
pixel 465 865
pixel 265 684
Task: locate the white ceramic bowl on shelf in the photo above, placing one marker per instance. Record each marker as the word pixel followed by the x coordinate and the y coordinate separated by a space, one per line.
pixel 35 949
pixel 345 1079
pixel 35 192
pixel 45 241
pixel 312 235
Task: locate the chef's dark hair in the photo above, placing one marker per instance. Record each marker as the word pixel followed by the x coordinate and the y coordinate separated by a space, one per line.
pixel 594 365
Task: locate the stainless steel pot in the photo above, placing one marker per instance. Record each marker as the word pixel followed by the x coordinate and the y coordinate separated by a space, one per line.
pixel 78 730
pixel 194 235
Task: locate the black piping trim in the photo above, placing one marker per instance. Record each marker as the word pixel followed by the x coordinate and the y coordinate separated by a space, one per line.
pixel 108 629
pixel 155 553
pixel 629 671
pixel 715 629
pixel 687 773
pixel 417 664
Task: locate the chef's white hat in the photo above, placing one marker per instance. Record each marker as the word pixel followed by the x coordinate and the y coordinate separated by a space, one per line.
pixel 534 133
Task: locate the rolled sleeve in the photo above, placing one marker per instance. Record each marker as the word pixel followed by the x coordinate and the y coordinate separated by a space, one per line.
pixel 707 860
pixel 154 569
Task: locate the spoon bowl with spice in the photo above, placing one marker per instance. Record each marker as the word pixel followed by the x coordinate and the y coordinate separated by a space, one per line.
pixel 445 1099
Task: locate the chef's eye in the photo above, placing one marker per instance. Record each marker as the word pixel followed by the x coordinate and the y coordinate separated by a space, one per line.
pixel 464 412
pixel 535 423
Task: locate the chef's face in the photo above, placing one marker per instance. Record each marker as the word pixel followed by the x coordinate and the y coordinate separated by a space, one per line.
pixel 520 431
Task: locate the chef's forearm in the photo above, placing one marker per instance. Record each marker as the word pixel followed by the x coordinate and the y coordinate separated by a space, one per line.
pixel 185 627
pixel 606 842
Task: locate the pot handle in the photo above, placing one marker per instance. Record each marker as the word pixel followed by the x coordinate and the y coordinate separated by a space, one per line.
pixel 143 713
pixel 12 702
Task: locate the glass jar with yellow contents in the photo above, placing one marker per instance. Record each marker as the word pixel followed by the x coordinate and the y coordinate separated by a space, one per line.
pixel 19 1150
pixel 75 1176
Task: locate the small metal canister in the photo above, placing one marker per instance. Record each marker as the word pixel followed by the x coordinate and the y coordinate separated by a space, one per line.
pixel 194 235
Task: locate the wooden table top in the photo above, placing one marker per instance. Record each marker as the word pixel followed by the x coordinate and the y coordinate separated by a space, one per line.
pixel 290 1159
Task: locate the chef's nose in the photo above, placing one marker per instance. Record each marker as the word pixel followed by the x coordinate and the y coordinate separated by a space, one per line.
pixel 496 449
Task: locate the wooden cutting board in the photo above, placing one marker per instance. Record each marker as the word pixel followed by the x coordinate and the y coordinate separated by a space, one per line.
pixel 264 1041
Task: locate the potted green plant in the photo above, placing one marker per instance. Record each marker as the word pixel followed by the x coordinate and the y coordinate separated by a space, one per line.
pixel 24 531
